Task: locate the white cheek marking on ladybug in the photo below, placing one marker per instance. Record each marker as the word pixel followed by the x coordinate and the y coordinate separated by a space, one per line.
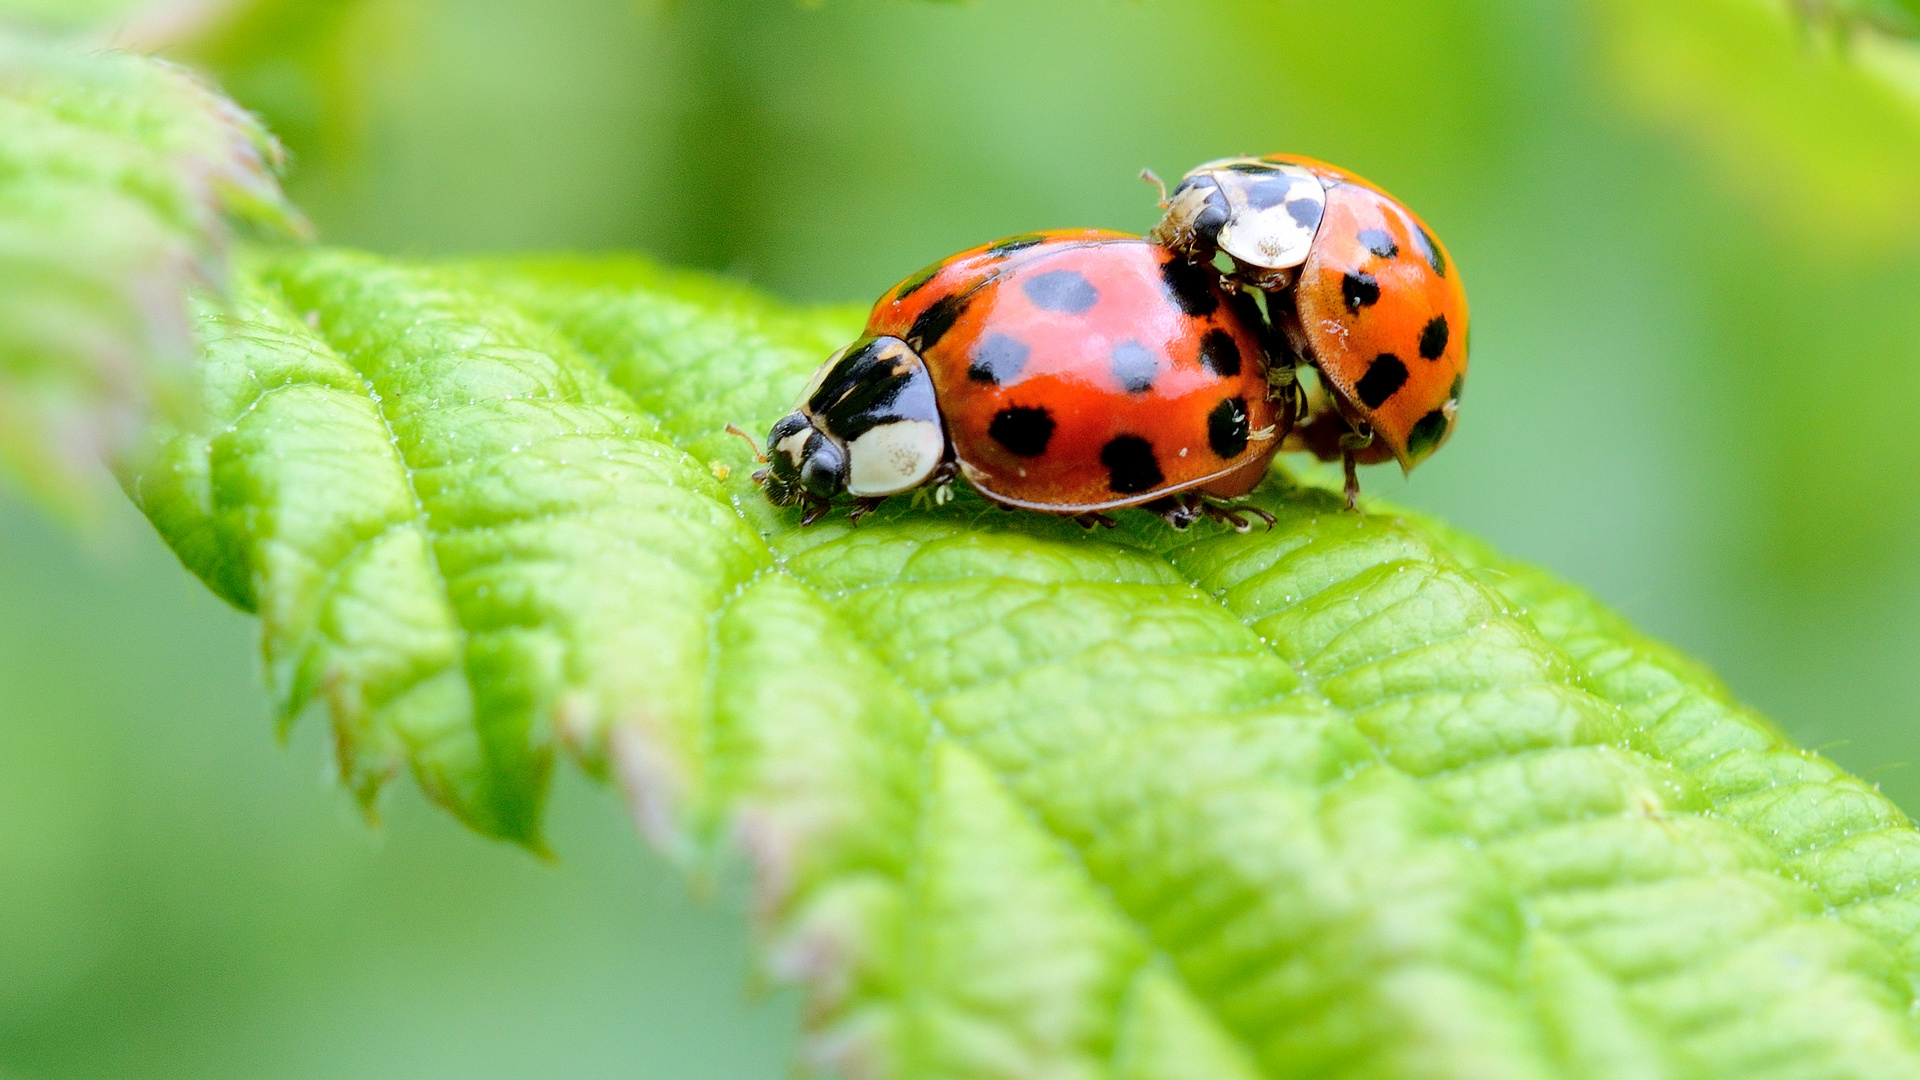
pixel 894 457
pixel 794 444
pixel 1266 228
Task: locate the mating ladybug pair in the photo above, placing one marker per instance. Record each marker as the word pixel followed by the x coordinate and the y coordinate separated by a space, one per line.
pixel 1077 372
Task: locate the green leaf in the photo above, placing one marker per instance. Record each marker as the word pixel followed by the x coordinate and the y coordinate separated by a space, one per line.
pixel 67 15
pixel 121 179
pixel 1896 18
pixel 1737 82
pixel 1355 797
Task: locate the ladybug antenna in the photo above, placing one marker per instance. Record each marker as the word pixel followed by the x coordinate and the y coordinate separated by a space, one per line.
pixel 1153 178
pixel 751 444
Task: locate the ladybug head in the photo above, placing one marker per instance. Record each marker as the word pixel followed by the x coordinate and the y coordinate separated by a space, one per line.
pixel 1262 213
pixel 802 460
pixel 868 424
pixel 1195 211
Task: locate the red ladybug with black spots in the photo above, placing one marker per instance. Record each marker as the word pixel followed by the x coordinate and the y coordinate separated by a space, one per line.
pixel 1071 372
pixel 1357 286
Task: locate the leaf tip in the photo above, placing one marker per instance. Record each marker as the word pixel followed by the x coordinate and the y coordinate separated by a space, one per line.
pixel 651 779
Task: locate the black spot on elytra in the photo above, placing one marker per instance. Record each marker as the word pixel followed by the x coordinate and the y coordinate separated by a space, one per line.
pixel 1268 192
pixel 1359 289
pixel 1023 430
pixel 1191 286
pixel 1131 466
pixel 1066 291
pixel 997 359
pixel 1427 433
pixel 1430 251
pixel 918 281
pixel 1379 242
pixel 1306 213
pixel 1003 248
pixel 1227 428
pixel 1384 377
pixel 1134 366
pixel 1219 354
pixel 933 323
pixel 1433 339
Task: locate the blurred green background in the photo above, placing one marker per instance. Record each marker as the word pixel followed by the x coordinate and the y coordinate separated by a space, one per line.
pixel 1690 233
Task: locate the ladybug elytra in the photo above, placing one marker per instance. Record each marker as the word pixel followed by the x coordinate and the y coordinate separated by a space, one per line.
pixel 1070 372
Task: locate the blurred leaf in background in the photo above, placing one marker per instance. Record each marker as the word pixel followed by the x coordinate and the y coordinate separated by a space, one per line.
pixel 62 16
pixel 1824 153
pixel 120 180
pixel 1848 20
pixel 1802 254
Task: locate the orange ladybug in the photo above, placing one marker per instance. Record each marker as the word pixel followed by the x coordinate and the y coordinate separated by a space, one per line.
pixel 1070 372
pixel 1357 286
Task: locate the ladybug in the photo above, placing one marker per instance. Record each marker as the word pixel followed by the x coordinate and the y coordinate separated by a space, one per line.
pixel 1069 372
pixel 1357 287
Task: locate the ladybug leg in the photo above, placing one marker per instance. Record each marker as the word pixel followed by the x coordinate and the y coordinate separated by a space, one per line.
pixel 1283 382
pixel 1285 389
pixel 941 482
pixel 1227 513
pixel 1176 510
pixel 816 509
pixel 1261 278
pixel 1089 520
pixel 1348 444
pixel 863 507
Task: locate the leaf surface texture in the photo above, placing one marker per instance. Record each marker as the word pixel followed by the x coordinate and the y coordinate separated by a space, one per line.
pixel 1353 798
